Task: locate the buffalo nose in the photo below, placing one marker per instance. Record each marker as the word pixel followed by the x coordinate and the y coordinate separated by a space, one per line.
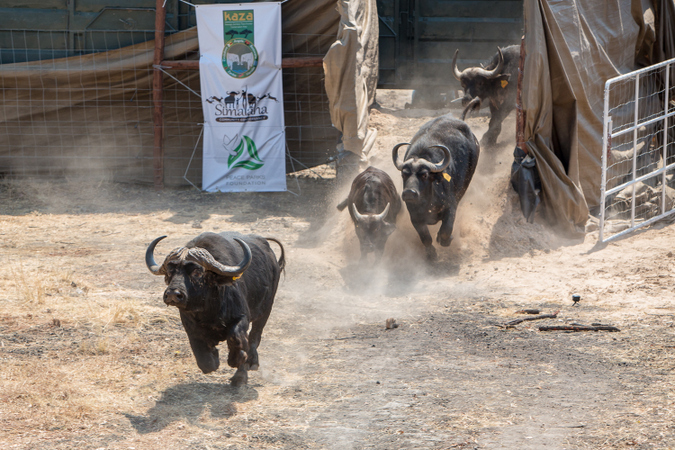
pixel 174 297
pixel 410 196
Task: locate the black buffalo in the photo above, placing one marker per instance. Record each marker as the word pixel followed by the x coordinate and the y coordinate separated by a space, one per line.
pixel 221 283
pixel 495 84
pixel 436 170
pixel 373 205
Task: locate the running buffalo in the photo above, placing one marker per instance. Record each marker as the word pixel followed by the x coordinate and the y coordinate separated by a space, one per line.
pixel 495 84
pixel 436 170
pixel 220 284
pixel 373 205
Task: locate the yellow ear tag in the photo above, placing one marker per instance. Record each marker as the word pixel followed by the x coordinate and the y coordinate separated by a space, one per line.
pixel 504 83
pixel 235 278
pixel 446 176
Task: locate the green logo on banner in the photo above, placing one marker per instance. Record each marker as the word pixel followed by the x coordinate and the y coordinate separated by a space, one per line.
pixel 235 159
pixel 240 57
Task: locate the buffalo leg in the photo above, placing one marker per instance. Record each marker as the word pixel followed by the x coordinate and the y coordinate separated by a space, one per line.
pixel 237 344
pixel 444 236
pixel 365 249
pixel 254 340
pixel 205 354
pixel 423 231
pixel 497 116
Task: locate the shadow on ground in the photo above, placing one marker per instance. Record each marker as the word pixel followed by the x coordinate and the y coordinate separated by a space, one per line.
pixel 188 402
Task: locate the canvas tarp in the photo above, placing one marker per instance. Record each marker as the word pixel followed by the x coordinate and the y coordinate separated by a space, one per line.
pixel 351 68
pixel 573 47
pixel 94 111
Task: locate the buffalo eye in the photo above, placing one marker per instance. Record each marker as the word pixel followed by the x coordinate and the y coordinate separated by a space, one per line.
pixel 195 271
pixel 171 268
pixel 424 175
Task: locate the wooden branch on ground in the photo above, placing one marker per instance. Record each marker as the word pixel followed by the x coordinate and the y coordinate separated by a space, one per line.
pixel 528 311
pixel 594 327
pixel 512 323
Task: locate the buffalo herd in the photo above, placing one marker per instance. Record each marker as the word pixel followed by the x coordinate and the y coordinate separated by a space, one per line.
pixel 222 284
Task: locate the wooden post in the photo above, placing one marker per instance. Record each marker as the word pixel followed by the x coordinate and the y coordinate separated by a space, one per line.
pixel 520 114
pixel 157 95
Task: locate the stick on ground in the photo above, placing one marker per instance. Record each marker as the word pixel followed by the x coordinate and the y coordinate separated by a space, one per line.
pixel 512 323
pixel 579 328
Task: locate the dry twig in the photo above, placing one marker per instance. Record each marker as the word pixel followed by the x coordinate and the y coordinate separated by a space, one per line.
pixel 595 327
pixel 512 323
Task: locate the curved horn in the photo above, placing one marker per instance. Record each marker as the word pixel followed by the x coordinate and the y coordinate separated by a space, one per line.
pixel 394 154
pixel 469 106
pixel 357 215
pixel 440 167
pixel 203 257
pixel 455 70
pixel 150 258
pixel 497 70
pixel 384 213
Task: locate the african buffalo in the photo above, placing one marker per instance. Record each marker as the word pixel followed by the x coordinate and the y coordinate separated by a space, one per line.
pixel 373 205
pixel 495 84
pixel 218 300
pixel 436 171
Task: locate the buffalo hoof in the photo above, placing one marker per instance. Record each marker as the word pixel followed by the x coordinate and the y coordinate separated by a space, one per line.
pixel 252 361
pixel 488 143
pixel 444 239
pixel 236 358
pixel 431 253
pixel 240 378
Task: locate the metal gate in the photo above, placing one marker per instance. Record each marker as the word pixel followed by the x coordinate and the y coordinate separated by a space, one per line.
pixel 638 158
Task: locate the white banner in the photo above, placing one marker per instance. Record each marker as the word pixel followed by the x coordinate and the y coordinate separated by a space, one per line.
pixel 242 97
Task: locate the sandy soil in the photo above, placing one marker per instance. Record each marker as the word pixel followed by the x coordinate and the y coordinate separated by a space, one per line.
pixel 92 359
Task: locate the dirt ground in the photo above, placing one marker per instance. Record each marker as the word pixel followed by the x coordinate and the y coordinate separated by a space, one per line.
pixel 92 359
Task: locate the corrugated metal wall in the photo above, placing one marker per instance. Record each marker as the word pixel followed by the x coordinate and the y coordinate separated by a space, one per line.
pixel 60 28
pixel 419 37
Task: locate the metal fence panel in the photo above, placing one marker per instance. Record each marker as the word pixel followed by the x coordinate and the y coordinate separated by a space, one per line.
pixel 638 158
pixel 106 129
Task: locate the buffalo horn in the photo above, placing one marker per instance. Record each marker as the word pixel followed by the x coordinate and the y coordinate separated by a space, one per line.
pixel 455 70
pixel 203 257
pixel 150 258
pixel 469 106
pixel 440 167
pixel 384 213
pixel 497 70
pixel 357 215
pixel 394 154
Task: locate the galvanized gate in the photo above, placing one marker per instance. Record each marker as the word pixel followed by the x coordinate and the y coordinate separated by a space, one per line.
pixel 638 158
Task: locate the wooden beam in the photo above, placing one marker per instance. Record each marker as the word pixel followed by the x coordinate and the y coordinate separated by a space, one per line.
pixel 520 113
pixel 286 63
pixel 302 61
pixel 157 95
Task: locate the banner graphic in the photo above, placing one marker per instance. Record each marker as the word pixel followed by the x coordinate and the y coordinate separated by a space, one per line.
pixel 242 97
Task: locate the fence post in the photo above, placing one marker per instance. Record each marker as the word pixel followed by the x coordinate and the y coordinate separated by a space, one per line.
pixel 157 94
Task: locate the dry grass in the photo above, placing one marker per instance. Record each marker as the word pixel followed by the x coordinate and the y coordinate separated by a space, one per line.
pixel 91 358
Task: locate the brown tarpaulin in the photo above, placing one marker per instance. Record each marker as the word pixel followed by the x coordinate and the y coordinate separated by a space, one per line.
pixel 573 47
pixel 351 68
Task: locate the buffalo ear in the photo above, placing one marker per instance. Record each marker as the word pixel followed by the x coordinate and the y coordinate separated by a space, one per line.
pixel 223 280
pixel 503 77
pixel 389 228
